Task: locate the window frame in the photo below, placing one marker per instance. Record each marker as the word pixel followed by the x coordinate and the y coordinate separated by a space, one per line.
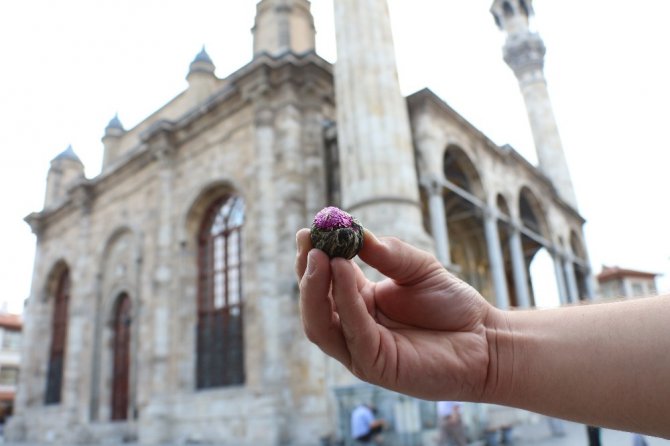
pixel 219 326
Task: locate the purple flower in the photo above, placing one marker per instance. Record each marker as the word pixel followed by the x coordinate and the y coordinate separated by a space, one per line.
pixel 331 218
pixel 336 233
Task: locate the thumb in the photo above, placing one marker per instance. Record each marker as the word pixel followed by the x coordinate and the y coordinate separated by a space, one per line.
pixel 396 259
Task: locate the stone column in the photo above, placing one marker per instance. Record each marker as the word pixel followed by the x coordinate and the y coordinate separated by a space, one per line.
pixel 438 221
pixel 560 278
pixel 164 152
pixel 379 181
pixel 496 258
pixel 268 227
pixel 155 425
pixel 519 269
pixel 589 283
pixel 573 291
pixel 75 396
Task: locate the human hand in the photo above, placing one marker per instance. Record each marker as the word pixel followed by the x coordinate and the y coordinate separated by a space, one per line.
pixel 421 331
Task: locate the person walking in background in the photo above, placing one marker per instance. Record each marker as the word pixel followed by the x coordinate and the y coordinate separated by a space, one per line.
pixel 639 440
pixel 556 427
pixel 499 423
pixel 593 433
pixel 450 422
pixel 365 427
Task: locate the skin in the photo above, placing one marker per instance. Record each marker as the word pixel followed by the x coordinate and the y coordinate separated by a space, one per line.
pixel 424 332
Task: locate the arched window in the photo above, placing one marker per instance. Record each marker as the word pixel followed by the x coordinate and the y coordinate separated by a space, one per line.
pixel 524 8
pixel 121 363
pixel 220 360
pixel 507 9
pixel 58 338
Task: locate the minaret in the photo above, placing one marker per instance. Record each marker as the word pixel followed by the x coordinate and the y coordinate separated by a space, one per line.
pixel 378 176
pixel 283 26
pixel 112 141
pixel 65 169
pixel 524 53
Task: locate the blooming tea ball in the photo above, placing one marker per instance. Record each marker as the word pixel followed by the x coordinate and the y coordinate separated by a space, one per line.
pixel 336 233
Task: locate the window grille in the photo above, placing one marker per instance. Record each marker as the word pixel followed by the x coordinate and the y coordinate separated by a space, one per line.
pixel 58 338
pixel 220 354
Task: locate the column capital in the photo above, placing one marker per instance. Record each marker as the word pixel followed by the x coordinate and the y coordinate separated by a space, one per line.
pixel 490 212
pixel 264 116
pixel 432 183
pixel 159 138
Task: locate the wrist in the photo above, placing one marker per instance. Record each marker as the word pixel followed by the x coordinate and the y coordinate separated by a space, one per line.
pixel 500 376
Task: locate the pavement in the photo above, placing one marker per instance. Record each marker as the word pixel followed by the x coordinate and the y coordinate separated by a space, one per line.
pixel 539 434
pixel 534 434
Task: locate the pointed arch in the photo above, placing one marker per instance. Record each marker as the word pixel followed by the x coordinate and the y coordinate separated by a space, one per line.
pixel 463 197
pixel 459 169
pixel 120 264
pixel 542 273
pixel 532 212
pixel 59 286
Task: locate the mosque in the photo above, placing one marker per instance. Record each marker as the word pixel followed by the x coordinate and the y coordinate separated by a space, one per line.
pixel 164 307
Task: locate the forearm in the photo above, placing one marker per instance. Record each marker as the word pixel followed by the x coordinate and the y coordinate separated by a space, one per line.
pixel 603 364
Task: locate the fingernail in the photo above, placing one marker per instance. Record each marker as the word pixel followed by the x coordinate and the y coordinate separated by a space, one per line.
pixel 370 235
pixel 311 264
pixel 297 245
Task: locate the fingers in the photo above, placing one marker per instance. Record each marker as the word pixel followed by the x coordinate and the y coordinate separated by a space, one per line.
pixel 358 327
pixel 321 323
pixel 396 259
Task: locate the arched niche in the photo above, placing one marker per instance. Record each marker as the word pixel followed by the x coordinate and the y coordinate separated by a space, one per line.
pixel 119 276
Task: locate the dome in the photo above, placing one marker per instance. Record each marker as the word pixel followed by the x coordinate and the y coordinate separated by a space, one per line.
pixel 115 123
pixel 68 154
pixel 202 63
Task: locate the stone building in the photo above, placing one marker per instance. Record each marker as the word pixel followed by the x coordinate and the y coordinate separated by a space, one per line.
pixel 164 304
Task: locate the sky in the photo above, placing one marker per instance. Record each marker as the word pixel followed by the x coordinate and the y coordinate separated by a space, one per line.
pixel 67 67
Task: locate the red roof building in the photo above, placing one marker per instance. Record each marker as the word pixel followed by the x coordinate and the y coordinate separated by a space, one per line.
pixel 10 359
pixel 623 282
